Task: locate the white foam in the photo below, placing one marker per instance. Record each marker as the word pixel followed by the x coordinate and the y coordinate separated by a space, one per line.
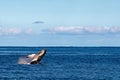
pixel 23 60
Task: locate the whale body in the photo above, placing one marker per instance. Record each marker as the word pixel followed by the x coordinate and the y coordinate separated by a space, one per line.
pixel 36 58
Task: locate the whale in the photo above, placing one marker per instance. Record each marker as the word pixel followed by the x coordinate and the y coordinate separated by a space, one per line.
pixel 36 58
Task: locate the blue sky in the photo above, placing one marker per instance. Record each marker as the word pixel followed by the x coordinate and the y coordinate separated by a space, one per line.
pixel 59 23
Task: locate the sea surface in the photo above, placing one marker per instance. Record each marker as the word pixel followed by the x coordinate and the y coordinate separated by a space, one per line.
pixel 61 63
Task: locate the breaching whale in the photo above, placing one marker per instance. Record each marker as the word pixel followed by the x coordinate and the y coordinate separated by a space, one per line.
pixel 36 58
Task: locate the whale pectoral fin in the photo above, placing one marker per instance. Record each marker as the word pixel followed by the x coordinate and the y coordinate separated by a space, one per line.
pixel 30 56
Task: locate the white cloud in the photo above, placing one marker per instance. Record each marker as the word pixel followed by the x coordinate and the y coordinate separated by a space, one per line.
pixel 14 31
pixel 83 30
pixel 28 31
pixel 61 30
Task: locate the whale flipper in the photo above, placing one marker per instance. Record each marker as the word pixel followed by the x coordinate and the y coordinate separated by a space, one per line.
pixel 31 56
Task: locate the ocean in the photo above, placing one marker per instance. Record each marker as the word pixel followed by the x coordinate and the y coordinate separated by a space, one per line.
pixel 61 63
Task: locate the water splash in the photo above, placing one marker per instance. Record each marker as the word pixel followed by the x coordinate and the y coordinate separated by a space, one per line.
pixel 24 60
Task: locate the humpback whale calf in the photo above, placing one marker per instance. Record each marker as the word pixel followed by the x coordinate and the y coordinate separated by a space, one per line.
pixel 32 58
pixel 36 58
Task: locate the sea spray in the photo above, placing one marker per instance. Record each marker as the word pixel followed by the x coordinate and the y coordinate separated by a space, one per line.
pixel 24 60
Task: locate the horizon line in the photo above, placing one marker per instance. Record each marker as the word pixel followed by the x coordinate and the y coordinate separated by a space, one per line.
pixel 58 46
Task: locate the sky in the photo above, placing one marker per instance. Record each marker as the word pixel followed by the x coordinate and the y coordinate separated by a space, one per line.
pixel 59 23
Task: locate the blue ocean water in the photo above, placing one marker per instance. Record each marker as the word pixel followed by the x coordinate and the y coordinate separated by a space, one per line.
pixel 62 63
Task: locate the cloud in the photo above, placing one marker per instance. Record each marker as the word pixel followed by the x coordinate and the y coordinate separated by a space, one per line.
pixel 70 30
pixel 83 30
pixel 28 31
pixel 38 22
pixel 14 31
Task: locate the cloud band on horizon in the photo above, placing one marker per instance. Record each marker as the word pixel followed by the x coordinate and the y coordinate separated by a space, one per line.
pixel 14 31
pixel 83 30
pixel 71 30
